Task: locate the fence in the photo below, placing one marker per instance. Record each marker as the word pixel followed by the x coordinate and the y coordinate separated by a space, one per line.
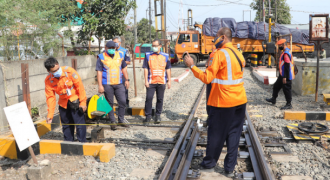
pixel 11 86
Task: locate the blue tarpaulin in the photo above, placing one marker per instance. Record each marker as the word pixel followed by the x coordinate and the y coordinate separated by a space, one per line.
pixel 252 30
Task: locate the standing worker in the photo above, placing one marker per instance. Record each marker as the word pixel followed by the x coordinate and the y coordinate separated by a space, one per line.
pixel 110 67
pixel 227 101
pixel 127 59
pixel 284 80
pixel 157 72
pixel 66 82
pixel 323 54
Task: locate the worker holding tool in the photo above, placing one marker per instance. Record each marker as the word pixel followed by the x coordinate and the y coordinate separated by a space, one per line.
pixel 66 82
pixel 110 67
pixel 287 74
pixel 157 73
pixel 227 101
pixel 126 58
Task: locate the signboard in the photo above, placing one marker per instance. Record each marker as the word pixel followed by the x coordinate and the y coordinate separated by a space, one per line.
pixel 21 124
pixel 318 27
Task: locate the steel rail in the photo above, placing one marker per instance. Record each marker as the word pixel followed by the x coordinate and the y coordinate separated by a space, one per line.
pixel 172 158
pixel 260 165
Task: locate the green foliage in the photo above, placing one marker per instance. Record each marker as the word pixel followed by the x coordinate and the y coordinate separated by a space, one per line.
pixel 104 18
pixel 83 52
pixel 35 112
pixel 283 11
pixel 39 20
pixel 143 31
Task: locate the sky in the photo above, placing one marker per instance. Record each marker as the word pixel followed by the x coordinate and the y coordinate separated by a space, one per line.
pixel 300 10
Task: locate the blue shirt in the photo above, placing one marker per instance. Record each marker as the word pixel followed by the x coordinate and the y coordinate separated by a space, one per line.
pixel 123 51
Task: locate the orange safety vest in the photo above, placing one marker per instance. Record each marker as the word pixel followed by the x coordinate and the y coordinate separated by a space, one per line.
pixel 157 64
pixel 68 80
pixel 281 64
pixel 112 74
pixel 226 76
pixel 210 60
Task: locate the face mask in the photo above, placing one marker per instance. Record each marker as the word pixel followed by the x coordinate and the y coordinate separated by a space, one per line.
pixel 111 51
pixel 281 48
pixel 155 49
pixel 58 73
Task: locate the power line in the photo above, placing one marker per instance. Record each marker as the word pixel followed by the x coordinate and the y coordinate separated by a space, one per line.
pixel 196 4
pixel 171 21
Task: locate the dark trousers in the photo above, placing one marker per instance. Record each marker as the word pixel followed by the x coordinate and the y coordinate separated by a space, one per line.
pixel 126 91
pixel 286 89
pixel 69 116
pixel 119 91
pixel 160 90
pixel 208 90
pixel 225 125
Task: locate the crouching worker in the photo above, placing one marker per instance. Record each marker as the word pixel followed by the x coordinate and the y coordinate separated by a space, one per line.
pixel 66 82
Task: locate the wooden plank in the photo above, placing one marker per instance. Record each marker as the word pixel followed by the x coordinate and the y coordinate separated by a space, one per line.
pixel 26 85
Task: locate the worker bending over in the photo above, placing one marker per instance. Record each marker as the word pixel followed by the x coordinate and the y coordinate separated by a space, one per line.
pixel 110 67
pixel 126 58
pixel 66 82
pixel 284 80
pixel 157 72
pixel 227 101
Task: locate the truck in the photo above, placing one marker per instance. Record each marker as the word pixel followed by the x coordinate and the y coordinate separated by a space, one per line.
pixel 200 46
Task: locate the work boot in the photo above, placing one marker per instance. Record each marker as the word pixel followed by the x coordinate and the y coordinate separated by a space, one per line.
pixel 230 174
pixel 113 127
pixel 157 119
pixel 147 121
pixel 123 124
pixel 287 106
pixel 271 100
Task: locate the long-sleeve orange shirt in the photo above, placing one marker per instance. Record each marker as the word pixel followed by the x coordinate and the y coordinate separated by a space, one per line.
pixel 69 79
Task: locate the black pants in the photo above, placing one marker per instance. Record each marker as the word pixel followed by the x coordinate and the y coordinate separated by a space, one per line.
pixel 119 91
pixel 126 90
pixel 208 90
pixel 69 116
pixel 225 125
pixel 286 89
pixel 160 90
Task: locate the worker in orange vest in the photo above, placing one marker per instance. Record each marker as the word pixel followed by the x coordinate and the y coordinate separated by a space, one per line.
pixel 227 100
pixel 66 82
pixel 157 73
pixel 110 67
pixel 287 74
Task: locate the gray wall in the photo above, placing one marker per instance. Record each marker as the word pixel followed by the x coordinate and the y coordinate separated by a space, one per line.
pixel 37 75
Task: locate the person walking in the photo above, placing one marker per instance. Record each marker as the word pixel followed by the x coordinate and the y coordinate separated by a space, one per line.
pixel 66 82
pixel 110 67
pixel 126 58
pixel 157 73
pixel 227 101
pixel 284 80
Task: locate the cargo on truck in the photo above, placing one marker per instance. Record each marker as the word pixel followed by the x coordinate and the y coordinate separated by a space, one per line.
pixel 251 36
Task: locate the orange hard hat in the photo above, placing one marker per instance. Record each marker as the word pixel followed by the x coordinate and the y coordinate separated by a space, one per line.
pixel 281 41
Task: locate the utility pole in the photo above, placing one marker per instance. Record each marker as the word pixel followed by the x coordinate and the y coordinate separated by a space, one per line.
pixel 263 11
pixel 275 11
pixel 165 32
pixel 150 21
pixel 135 28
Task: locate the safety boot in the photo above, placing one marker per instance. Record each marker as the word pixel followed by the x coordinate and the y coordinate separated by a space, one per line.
pixel 271 100
pixel 230 174
pixel 287 106
pixel 113 127
pixel 147 121
pixel 157 119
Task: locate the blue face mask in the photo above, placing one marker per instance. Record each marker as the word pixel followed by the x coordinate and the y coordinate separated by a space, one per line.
pixel 111 51
pixel 58 73
pixel 217 45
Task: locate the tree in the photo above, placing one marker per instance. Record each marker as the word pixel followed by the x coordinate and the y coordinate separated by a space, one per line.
pixel 283 11
pixel 104 18
pixel 143 31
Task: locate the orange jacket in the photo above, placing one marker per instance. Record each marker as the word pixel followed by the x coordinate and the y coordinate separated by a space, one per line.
pixel 210 60
pixel 227 83
pixel 69 79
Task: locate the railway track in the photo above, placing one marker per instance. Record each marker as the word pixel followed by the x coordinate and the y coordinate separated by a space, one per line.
pixel 180 160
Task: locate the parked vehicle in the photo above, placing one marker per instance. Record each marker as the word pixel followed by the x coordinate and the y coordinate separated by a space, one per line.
pixel 174 58
pixel 145 48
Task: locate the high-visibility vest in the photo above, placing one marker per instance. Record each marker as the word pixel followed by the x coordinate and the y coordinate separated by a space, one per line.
pixel 112 74
pixel 157 64
pixel 209 62
pixel 69 80
pixel 281 64
pixel 227 86
pixel 122 51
